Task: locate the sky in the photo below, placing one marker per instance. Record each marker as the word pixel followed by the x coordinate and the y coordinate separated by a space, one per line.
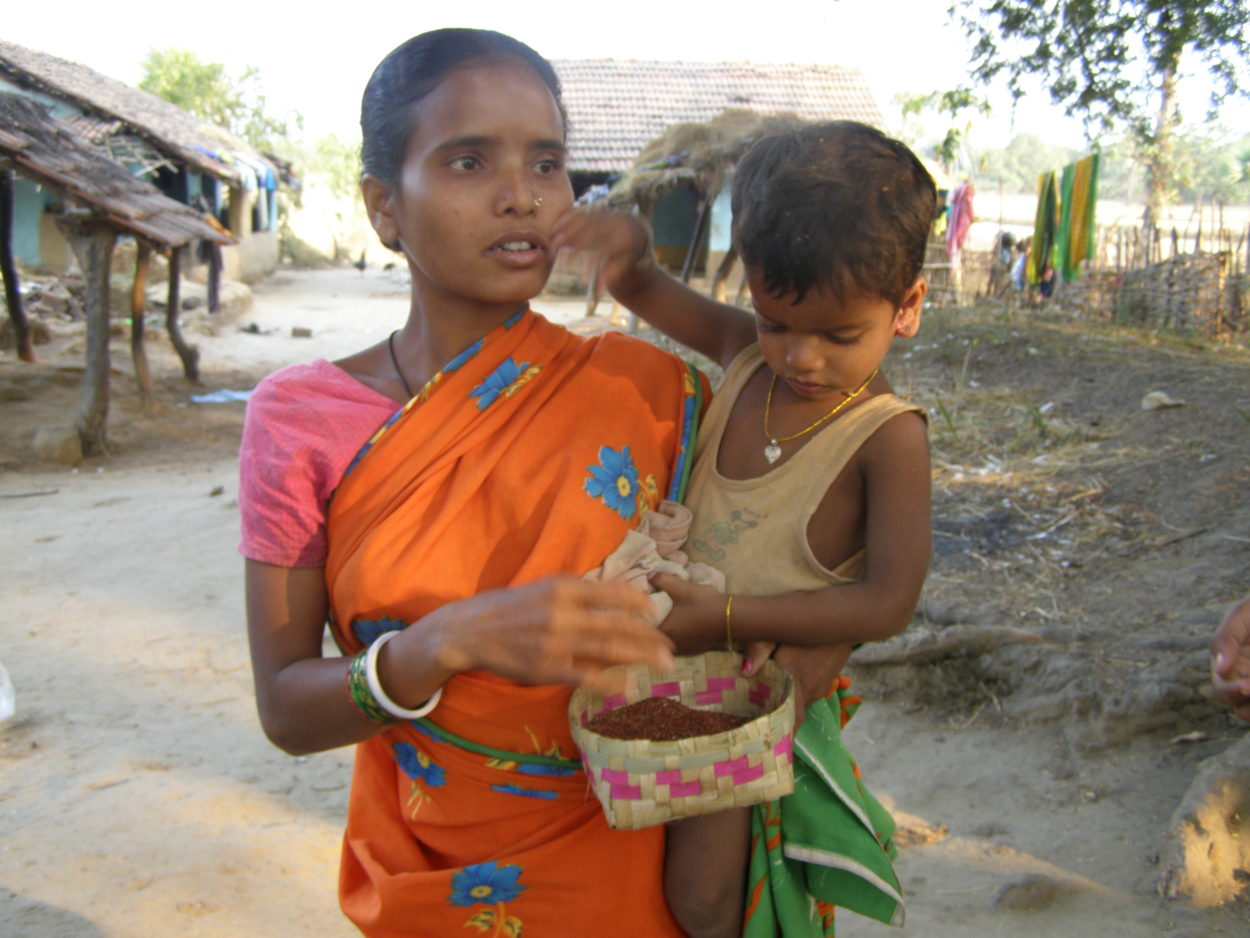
pixel 318 63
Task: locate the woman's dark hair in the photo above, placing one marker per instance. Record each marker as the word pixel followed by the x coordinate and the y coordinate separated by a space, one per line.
pixel 413 70
pixel 837 205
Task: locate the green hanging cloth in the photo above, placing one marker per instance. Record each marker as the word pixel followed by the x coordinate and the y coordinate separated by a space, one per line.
pixel 1045 228
pixel 1076 224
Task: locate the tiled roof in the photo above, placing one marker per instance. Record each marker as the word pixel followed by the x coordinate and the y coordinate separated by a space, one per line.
pixel 48 152
pixel 179 133
pixel 618 106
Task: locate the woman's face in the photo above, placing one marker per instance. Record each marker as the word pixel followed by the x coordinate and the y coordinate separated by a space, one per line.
pixel 482 182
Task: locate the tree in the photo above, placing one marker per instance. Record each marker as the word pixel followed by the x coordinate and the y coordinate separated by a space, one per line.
pixel 952 104
pixel 1116 63
pixel 206 89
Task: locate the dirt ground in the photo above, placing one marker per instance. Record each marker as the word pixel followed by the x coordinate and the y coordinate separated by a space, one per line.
pixel 1033 731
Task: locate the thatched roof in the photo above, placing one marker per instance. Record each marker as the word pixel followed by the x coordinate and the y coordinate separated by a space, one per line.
pixel 166 126
pixel 617 107
pixel 700 154
pixel 46 151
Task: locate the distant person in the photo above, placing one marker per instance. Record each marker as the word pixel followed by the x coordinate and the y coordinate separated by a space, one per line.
pixel 1230 659
pixel 810 491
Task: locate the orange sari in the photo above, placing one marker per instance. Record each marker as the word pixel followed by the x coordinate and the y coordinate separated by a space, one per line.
pixel 532 453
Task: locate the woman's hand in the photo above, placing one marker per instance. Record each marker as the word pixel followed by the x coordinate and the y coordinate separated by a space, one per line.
pixel 1230 659
pixel 560 630
pixel 814 671
pixel 697 621
pixel 617 246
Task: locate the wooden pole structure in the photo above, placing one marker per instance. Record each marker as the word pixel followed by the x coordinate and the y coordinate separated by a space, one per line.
pixel 138 310
pixel 12 290
pixel 726 266
pixel 92 242
pixel 190 356
pixel 696 239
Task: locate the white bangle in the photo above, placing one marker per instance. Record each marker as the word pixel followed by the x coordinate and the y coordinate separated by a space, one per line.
pixel 375 685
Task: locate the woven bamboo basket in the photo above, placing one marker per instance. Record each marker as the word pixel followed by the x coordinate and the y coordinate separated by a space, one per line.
pixel 643 782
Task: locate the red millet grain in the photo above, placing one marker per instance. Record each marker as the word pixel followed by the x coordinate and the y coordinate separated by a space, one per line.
pixel 662 718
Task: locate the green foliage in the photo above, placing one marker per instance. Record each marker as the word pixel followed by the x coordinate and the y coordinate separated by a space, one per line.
pixel 237 104
pixel 1103 59
pixel 954 105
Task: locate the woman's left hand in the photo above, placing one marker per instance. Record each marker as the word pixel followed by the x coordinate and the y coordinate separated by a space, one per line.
pixel 697 620
pixel 814 670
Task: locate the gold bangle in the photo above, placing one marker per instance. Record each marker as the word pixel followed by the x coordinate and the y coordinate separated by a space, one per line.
pixel 729 632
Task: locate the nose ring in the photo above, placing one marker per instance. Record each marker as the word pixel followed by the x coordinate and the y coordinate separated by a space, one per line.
pixel 538 200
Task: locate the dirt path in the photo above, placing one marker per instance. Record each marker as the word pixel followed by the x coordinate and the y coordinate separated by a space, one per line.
pixel 139 798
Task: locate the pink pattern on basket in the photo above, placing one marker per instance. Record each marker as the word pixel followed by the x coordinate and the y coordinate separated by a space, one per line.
pixel 611 703
pixel 760 693
pixel 685 790
pixel 615 776
pixel 785 745
pixel 729 766
pixel 676 787
pixel 667 689
pixel 626 792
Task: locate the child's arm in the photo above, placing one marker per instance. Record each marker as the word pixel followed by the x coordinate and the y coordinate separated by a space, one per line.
pixel 895 467
pixel 628 269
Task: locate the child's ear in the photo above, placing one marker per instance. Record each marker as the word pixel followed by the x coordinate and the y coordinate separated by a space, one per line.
pixel 380 204
pixel 907 319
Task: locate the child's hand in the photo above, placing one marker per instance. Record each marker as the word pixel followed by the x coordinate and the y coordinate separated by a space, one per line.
pixel 697 620
pixel 617 245
pixel 1230 660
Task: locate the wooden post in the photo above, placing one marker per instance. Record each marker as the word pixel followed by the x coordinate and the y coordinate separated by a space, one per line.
pixel 138 310
pixel 190 356
pixel 12 290
pixel 696 239
pixel 214 278
pixel 725 267
pixel 92 242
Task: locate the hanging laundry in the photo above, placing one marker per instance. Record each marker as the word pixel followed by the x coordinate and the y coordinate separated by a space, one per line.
pixel 1045 229
pixel 1076 225
pixel 961 218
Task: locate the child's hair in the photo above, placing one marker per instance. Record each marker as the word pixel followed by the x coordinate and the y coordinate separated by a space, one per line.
pixel 836 205
pixel 413 70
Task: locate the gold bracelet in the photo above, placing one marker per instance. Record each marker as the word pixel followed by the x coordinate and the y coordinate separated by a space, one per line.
pixel 729 632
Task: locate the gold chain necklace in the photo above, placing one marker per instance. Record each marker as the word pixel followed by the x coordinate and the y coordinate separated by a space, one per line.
pixel 772 452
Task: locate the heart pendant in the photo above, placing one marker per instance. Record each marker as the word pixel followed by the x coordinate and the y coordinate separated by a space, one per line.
pixel 772 452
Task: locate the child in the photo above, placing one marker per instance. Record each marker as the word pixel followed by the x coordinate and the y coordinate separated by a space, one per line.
pixel 810 491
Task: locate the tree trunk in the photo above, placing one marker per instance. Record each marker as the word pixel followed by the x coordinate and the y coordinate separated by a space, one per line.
pixel 190 356
pixel 138 310
pixel 93 247
pixel 1159 162
pixel 12 291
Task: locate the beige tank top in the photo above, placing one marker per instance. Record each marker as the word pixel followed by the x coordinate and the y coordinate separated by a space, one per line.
pixel 755 530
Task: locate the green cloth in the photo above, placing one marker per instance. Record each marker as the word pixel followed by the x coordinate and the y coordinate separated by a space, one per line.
pixel 827 844
pixel 1076 221
pixel 1045 228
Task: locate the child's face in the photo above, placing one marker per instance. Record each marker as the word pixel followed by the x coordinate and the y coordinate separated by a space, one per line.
pixel 482 182
pixel 824 346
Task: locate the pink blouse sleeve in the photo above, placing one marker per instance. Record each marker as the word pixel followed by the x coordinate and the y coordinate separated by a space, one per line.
pixel 297 441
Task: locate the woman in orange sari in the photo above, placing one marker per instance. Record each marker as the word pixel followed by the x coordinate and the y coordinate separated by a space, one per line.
pixel 436 498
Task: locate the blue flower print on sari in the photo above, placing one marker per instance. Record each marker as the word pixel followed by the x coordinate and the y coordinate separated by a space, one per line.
pixel 504 380
pixel 614 480
pixel 417 765
pixel 367 630
pixel 485 884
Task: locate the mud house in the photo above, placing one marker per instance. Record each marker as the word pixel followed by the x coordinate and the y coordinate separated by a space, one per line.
pixel 619 109
pixel 187 159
